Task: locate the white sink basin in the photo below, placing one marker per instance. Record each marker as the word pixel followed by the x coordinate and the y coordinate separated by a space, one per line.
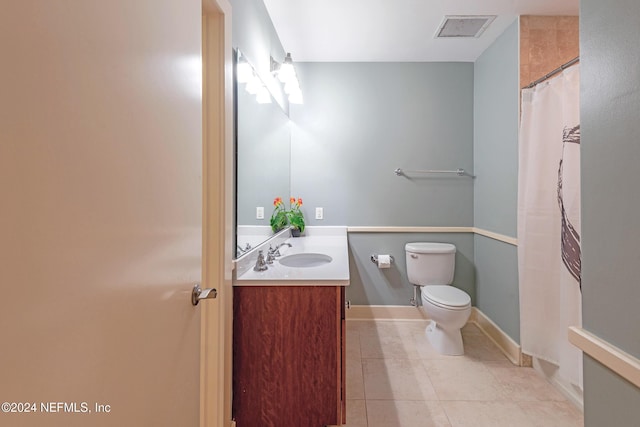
pixel 306 259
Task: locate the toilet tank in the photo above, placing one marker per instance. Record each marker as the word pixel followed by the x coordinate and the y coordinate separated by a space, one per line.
pixel 430 263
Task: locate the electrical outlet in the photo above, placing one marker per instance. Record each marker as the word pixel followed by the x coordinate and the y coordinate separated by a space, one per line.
pixel 319 213
pixel 260 212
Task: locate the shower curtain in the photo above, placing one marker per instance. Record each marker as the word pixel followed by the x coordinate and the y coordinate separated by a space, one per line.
pixel 549 222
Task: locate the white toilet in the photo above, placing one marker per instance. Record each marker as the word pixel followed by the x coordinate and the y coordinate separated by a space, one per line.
pixel 431 266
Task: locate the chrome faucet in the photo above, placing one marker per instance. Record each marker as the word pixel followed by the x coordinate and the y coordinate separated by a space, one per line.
pixel 261 264
pixel 270 258
pixel 275 252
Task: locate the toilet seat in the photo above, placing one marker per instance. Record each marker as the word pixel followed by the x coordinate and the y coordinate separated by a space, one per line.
pixel 446 296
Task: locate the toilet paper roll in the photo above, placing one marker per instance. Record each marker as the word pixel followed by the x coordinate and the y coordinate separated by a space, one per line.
pixel 384 261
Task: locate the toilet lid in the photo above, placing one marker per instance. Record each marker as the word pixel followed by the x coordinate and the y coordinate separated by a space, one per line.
pixel 446 295
pixel 430 248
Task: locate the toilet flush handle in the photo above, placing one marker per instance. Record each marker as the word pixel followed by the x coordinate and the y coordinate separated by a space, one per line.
pixel 414 256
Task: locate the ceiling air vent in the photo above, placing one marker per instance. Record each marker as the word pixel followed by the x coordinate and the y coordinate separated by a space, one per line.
pixel 464 26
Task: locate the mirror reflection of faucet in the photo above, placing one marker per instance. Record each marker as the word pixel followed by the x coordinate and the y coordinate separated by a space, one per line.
pixel 242 251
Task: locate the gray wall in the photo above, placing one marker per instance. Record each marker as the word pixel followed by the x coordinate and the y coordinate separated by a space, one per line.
pixel 497 293
pixel 359 122
pixel 262 174
pixel 253 32
pixel 263 157
pixel 495 151
pixel 495 147
pixel 371 285
pixel 610 102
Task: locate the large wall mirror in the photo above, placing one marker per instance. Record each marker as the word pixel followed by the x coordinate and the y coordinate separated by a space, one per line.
pixel 263 160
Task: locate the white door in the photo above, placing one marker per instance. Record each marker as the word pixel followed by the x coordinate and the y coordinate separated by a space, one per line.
pixel 101 222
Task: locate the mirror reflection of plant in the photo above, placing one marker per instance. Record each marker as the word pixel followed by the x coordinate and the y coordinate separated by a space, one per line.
pixel 279 218
pixel 295 215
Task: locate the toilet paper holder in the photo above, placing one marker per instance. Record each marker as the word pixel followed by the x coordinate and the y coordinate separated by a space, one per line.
pixel 374 259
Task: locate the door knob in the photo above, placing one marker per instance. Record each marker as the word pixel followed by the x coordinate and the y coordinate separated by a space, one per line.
pixel 198 294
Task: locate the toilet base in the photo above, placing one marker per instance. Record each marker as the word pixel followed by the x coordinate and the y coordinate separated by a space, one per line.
pixel 448 342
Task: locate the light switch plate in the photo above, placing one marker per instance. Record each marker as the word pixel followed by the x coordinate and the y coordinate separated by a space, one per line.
pixel 260 212
pixel 319 213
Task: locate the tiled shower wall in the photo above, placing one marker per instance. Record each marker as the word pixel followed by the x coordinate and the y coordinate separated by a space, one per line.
pixel 546 42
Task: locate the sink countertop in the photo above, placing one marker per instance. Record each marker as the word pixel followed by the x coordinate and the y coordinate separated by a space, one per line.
pixel 330 241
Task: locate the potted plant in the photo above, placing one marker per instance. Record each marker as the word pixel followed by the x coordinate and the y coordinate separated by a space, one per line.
pixel 295 217
pixel 279 218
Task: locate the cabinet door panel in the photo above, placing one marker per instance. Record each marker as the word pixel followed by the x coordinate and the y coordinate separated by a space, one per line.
pixel 287 366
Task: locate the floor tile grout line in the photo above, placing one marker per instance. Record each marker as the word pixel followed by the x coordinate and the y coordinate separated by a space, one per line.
pixel 484 363
pixel 364 388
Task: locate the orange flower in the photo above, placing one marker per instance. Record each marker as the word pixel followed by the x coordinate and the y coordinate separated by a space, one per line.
pixel 292 200
pixel 299 201
pixel 277 201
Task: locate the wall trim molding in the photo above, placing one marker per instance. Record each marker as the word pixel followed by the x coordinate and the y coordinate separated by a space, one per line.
pixel 496 236
pixel 550 372
pixel 409 229
pixel 476 230
pixel 619 361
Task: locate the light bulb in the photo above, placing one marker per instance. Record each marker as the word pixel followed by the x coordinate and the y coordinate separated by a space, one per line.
pixel 263 96
pixel 291 86
pixel 244 72
pixel 286 71
pixel 253 86
pixel 295 97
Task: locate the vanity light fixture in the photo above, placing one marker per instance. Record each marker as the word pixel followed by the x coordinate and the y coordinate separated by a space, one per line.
pixel 245 74
pixel 244 71
pixel 263 96
pixel 286 73
pixel 253 86
pixel 291 86
pixel 296 97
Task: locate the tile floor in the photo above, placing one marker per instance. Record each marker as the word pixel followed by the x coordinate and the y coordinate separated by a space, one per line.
pixel 396 379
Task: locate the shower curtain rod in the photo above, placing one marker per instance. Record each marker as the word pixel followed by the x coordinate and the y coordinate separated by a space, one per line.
pixel 554 72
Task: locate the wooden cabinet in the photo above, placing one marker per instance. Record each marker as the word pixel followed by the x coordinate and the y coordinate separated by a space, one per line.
pixel 288 356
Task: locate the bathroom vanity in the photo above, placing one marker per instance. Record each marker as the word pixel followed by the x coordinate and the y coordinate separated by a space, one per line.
pixel 289 335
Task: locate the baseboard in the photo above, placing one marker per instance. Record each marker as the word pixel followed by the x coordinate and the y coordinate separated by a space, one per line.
pixel 526 360
pixel 549 371
pixel 505 343
pixel 384 312
pixel 508 346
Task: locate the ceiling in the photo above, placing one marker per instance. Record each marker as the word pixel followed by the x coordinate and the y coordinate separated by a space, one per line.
pixel 394 30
